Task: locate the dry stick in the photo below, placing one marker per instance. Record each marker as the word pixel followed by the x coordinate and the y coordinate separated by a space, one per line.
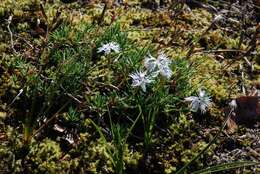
pixel 220 51
pixel 70 95
pixel 242 79
pixel 206 148
pixel 15 98
pixel 27 42
pixel 102 14
pixel 249 64
pixel 74 98
pixel 108 85
pixel 48 121
pixel 10 32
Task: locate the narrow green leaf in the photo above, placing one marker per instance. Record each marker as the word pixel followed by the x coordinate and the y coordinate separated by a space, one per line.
pixel 226 166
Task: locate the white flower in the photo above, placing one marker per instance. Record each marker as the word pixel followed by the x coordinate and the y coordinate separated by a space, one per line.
pixel 161 65
pixel 150 63
pixel 233 104
pixel 109 47
pixel 140 79
pixel 164 65
pixel 202 102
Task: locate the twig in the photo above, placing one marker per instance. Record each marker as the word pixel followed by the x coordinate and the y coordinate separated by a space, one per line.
pixel 249 64
pixel 242 79
pixel 20 92
pixel 108 85
pixel 49 120
pixel 46 19
pixel 101 18
pixel 30 45
pixel 220 51
pixel 70 95
pixel 74 98
pixel 9 21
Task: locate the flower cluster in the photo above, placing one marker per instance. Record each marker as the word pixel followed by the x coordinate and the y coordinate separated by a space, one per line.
pixel 200 102
pixel 154 67
pixel 161 65
pixel 109 47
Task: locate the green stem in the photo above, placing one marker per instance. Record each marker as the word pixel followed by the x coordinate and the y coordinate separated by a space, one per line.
pixel 28 123
pixel 27 130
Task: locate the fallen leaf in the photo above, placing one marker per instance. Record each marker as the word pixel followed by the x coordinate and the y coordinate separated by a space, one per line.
pixel 248 110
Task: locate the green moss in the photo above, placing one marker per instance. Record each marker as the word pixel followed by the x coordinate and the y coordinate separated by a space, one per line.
pixel 210 75
pixel 95 85
pixel 46 157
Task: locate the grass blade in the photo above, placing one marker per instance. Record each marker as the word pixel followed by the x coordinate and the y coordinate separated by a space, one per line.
pixel 226 166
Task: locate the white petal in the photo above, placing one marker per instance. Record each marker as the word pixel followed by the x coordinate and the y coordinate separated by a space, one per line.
pixel 107 48
pixel 154 74
pixel 114 46
pixel 191 98
pixel 166 72
pixel 163 60
pixel 195 105
pixel 233 104
pixel 150 63
pixel 140 78
pixel 143 87
pixel 203 108
pixel 202 93
pixel 100 49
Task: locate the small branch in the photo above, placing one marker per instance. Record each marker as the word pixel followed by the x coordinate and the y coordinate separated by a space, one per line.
pixel 220 51
pixel 108 85
pixel 15 98
pixel 70 95
pixel 46 20
pixel 249 64
pixel 242 79
pixel 49 120
pixel 9 21
pixel 101 18
pixel 30 45
pixel 74 98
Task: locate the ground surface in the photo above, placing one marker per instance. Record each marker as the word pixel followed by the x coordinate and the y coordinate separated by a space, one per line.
pixel 67 107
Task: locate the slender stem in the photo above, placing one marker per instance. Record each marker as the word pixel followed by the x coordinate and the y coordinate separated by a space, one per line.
pixel 28 123
pixel 27 130
pixel 133 125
